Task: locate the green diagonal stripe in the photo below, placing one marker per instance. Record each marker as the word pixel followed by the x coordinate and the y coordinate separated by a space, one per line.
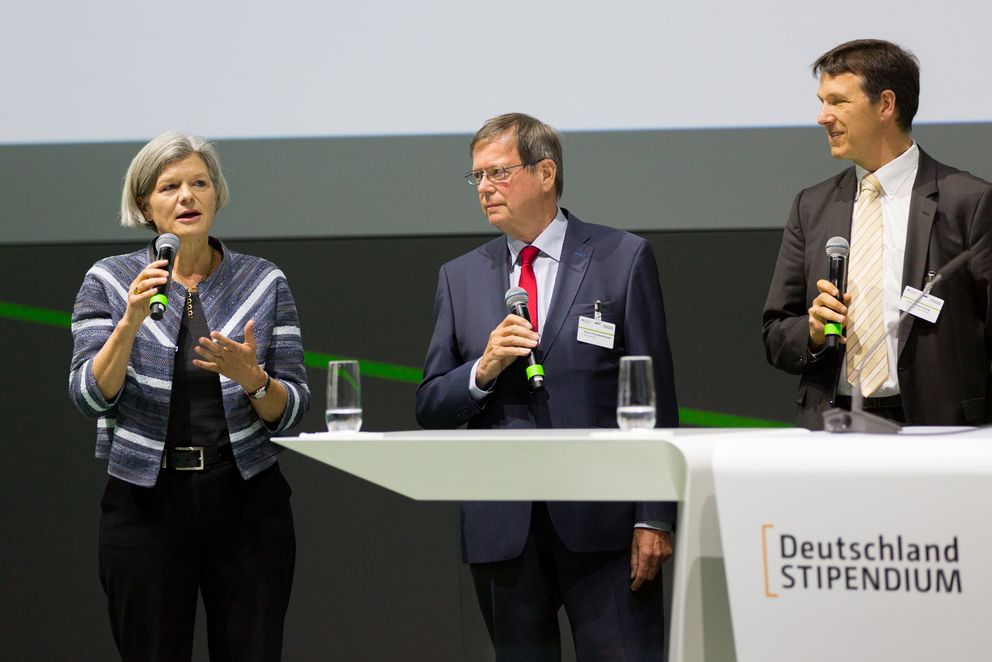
pixel 713 419
pixel 391 371
pixel 16 311
pixel 396 373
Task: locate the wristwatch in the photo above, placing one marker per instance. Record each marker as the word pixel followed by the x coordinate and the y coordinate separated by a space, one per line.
pixel 260 393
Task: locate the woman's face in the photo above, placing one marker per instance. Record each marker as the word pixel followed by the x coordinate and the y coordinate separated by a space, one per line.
pixel 183 200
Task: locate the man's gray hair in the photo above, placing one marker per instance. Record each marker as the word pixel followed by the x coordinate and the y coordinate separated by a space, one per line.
pixel 149 163
pixel 536 141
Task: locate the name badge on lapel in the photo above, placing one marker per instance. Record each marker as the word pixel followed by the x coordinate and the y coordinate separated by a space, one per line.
pixel 927 308
pixel 596 332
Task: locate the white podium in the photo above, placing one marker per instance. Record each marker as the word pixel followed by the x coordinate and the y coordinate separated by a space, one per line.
pixel 858 547
pixel 852 547
pixel 570 465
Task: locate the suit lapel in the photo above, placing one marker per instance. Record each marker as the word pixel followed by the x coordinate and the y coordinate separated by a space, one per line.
pixel 922 210
pixel 575 256
pixel 840 210
pixel 492 288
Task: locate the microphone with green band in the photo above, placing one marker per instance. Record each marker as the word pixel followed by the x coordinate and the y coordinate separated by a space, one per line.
pixel 166 247
pixel 516 303
pixel 837 252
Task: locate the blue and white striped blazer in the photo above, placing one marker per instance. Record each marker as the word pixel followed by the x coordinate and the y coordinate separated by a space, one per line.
pixel 131 428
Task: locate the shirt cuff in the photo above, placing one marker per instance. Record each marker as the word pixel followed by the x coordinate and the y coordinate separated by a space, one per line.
pixel 478 394
pixel 655 525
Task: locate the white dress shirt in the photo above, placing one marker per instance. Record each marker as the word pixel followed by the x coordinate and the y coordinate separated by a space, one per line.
pixel 549 243
pixel 897 178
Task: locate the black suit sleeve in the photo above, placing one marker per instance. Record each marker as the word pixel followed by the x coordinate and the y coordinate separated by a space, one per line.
pixel 980 238
pixel 786 315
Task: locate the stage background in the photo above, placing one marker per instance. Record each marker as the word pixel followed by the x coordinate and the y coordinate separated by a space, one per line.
pixel 344 134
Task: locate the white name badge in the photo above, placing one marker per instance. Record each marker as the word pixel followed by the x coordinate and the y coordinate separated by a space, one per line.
pixel 596 332
pixel 927 308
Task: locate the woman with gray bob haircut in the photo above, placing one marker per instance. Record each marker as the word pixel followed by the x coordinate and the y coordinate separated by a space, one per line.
pixel 185 407
pixel 148 164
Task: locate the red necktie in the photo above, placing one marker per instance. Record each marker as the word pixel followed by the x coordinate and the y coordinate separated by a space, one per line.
pixel 528 281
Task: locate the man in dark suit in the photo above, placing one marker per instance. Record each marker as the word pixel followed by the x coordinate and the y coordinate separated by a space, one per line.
pixel 928 372
pixel 599 560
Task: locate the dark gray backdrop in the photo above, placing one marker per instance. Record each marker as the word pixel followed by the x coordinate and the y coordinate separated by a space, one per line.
pixel 378 576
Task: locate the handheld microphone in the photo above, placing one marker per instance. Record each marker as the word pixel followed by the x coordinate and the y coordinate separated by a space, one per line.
pixel 166 247
pixel 858 420
pixel 837 251
pixel 516 303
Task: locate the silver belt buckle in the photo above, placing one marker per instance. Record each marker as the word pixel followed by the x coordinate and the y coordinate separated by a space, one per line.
pixel 198 449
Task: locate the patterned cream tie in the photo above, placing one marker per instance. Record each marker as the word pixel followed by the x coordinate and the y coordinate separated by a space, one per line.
pixel 866 324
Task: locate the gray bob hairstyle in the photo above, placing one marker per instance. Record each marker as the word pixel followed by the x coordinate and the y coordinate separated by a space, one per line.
pixel 149 163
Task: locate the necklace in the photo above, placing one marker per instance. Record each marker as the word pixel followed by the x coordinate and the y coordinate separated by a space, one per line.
pixel 192 290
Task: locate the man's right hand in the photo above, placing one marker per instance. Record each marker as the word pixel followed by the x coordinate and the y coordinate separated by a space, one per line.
pixel 826 307
pixel 513 338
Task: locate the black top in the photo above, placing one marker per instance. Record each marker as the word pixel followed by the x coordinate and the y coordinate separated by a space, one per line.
pixel 196 411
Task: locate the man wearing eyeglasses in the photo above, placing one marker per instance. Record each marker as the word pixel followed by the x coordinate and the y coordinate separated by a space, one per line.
pixel 599 560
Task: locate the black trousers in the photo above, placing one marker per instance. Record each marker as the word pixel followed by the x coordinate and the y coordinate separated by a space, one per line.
pixel 207 532
pixel 520 599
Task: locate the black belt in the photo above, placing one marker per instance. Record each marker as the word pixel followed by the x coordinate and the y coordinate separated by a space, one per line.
pixel 196 458
pixel 888 402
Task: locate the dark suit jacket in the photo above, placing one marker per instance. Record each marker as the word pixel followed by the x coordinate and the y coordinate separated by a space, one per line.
pixel 943 368
pixel 597 262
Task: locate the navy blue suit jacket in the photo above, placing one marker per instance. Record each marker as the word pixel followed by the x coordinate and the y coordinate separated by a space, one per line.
pixel 597 262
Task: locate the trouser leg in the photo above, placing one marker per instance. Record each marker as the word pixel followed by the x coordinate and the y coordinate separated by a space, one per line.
pixel 609 621
pixel 248 562
pixel 520 605
pixel 149 569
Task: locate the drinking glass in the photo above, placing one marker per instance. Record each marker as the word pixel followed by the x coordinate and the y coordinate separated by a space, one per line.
pixel 344 397
pixel 635 394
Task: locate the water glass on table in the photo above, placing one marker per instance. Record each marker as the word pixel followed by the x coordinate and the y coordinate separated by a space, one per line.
pixel 635 394
pixel 344 397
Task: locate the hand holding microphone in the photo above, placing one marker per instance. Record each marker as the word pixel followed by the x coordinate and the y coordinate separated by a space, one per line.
pixel 166 248
pixel 837 251
pixel 148 290
pixel 512 339
pixel 516 303
pixel 144 286
pixel 827 312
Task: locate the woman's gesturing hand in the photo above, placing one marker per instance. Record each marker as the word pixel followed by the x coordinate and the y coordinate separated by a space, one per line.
pixel 233 359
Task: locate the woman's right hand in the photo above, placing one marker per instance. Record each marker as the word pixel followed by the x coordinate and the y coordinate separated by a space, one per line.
pixel 142 289
pixel 110 363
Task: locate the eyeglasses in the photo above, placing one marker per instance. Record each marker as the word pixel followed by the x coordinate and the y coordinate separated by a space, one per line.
pixel 495 173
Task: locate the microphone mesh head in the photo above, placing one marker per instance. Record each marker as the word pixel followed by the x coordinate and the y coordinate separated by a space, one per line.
pixel 167 240
pixel 838 247
pixel 514 296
